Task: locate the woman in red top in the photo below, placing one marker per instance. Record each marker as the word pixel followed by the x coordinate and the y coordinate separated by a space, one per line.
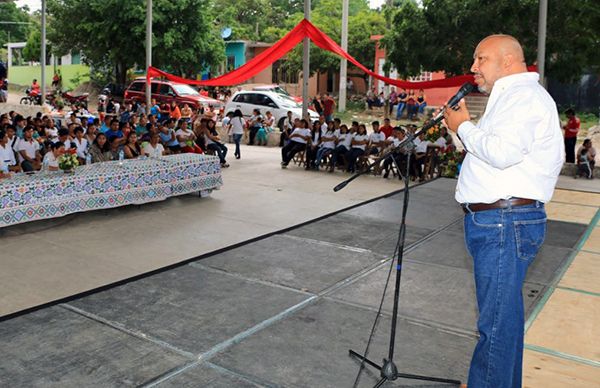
pixel 571 130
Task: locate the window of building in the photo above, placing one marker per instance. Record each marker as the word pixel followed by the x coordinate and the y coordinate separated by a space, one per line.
pixel 424 76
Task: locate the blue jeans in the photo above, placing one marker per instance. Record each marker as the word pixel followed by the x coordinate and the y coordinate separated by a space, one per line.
pixel 503 243
pixel 237 138
pixel 321 152
pixel 421 107
pixel 400 110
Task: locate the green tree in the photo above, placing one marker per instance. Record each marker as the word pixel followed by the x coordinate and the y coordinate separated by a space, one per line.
pixel 185 39
pixel 327 16
pixel 33 48
pixel 442 34
pixel 11 13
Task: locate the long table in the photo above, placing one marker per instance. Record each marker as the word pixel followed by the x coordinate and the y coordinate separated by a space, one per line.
pixel 25 198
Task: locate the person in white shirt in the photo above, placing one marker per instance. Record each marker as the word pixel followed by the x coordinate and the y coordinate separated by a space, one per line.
pixel 328 139
pixel 51 157
pixel 153 148
pixel 29 151
pixel 419 157
pixel 359 145
pixel 298 140
pixel 514 156
pixel 398 152
pixel 237 131
pixel 313 146
pixel 81 144
pixel 7 155
pixel 343 145
pixel 376 140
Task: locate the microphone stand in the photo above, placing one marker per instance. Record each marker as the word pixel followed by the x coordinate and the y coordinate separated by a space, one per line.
pixel 389 370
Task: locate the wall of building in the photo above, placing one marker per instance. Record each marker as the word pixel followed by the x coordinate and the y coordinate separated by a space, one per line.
pixel 24 75
pixel 238 51
pixel 265 76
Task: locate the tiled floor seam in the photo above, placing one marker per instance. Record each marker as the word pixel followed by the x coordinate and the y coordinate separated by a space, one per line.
pixel 565 356
pixel 590 293
pixel 250 379
pixel 169 374
pixel 411 319
pixel 575 203
pixel 540 305
pixel 126 330
pixel 553 286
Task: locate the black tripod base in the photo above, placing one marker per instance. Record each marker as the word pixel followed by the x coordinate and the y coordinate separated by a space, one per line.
pixel 389 372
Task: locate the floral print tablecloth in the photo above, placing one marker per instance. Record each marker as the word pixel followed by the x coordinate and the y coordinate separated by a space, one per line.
pixel 25 198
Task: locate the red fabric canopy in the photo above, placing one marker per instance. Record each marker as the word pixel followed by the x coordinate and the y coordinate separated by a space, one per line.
pixel 288 42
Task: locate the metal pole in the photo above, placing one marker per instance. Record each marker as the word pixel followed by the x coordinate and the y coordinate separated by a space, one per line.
pixel 148 52
pixel 344 62
pixel 388 26
pixel 43 56
pixel 305 63
pixel 541 48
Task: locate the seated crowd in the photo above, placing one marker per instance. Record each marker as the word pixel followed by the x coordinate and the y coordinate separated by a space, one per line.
pixel 33 143
pixel 333 145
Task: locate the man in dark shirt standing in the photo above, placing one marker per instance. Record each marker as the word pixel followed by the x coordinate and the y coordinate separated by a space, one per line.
pixel 328 106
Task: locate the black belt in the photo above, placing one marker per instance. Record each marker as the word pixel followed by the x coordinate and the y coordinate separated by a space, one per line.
pixel 499 204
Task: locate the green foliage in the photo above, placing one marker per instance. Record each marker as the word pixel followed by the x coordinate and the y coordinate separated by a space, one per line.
pixel 11 13
pixel 32 51
pixel 327 16
pixel 442 34
pixel 185 40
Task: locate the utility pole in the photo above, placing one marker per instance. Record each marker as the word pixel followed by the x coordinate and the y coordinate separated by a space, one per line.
pixel 43 56
pixel 148 53
pixel 305 63
pixel 386 71
pixel 541 49
pixel 344 61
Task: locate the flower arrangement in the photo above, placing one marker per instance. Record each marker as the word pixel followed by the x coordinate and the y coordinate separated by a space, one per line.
pixel 433 133
pixel 68 161
pixel 451 161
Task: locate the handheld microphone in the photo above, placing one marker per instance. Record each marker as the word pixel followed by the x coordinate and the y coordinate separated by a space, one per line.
pixel 462 92
pixel 465 89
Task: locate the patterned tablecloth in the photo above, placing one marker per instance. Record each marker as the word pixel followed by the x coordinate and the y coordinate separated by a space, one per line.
pixel 105 185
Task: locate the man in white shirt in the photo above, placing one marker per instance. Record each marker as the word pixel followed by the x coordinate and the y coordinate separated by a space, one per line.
pixel 7 155
pixel 514 156
pixel 376 139
pixel 298 139
pixel 29 151
pixel 419 157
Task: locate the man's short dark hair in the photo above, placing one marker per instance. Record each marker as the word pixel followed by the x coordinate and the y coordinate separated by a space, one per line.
pixel 56 145
pixel 113 121
pixel 78 129
pixel 63 132
pixel 355 123
pixel 570 111
pixel 375 122
pixel 337 120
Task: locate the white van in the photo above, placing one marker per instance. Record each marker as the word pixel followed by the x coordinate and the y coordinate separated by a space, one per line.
pixel 264 101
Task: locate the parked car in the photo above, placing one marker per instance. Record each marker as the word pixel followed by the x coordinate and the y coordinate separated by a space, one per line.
pixel 265 101
pixel 166 91
pixel 270 88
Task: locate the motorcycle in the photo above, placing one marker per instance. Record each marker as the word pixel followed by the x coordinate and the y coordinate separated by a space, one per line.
pixel 32 97
pixel 68 98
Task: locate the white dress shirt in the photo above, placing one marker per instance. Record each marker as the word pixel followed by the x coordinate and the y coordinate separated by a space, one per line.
pixel 516 149
pixel 302 132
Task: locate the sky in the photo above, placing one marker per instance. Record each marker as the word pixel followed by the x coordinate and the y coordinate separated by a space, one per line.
pixel 36 4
